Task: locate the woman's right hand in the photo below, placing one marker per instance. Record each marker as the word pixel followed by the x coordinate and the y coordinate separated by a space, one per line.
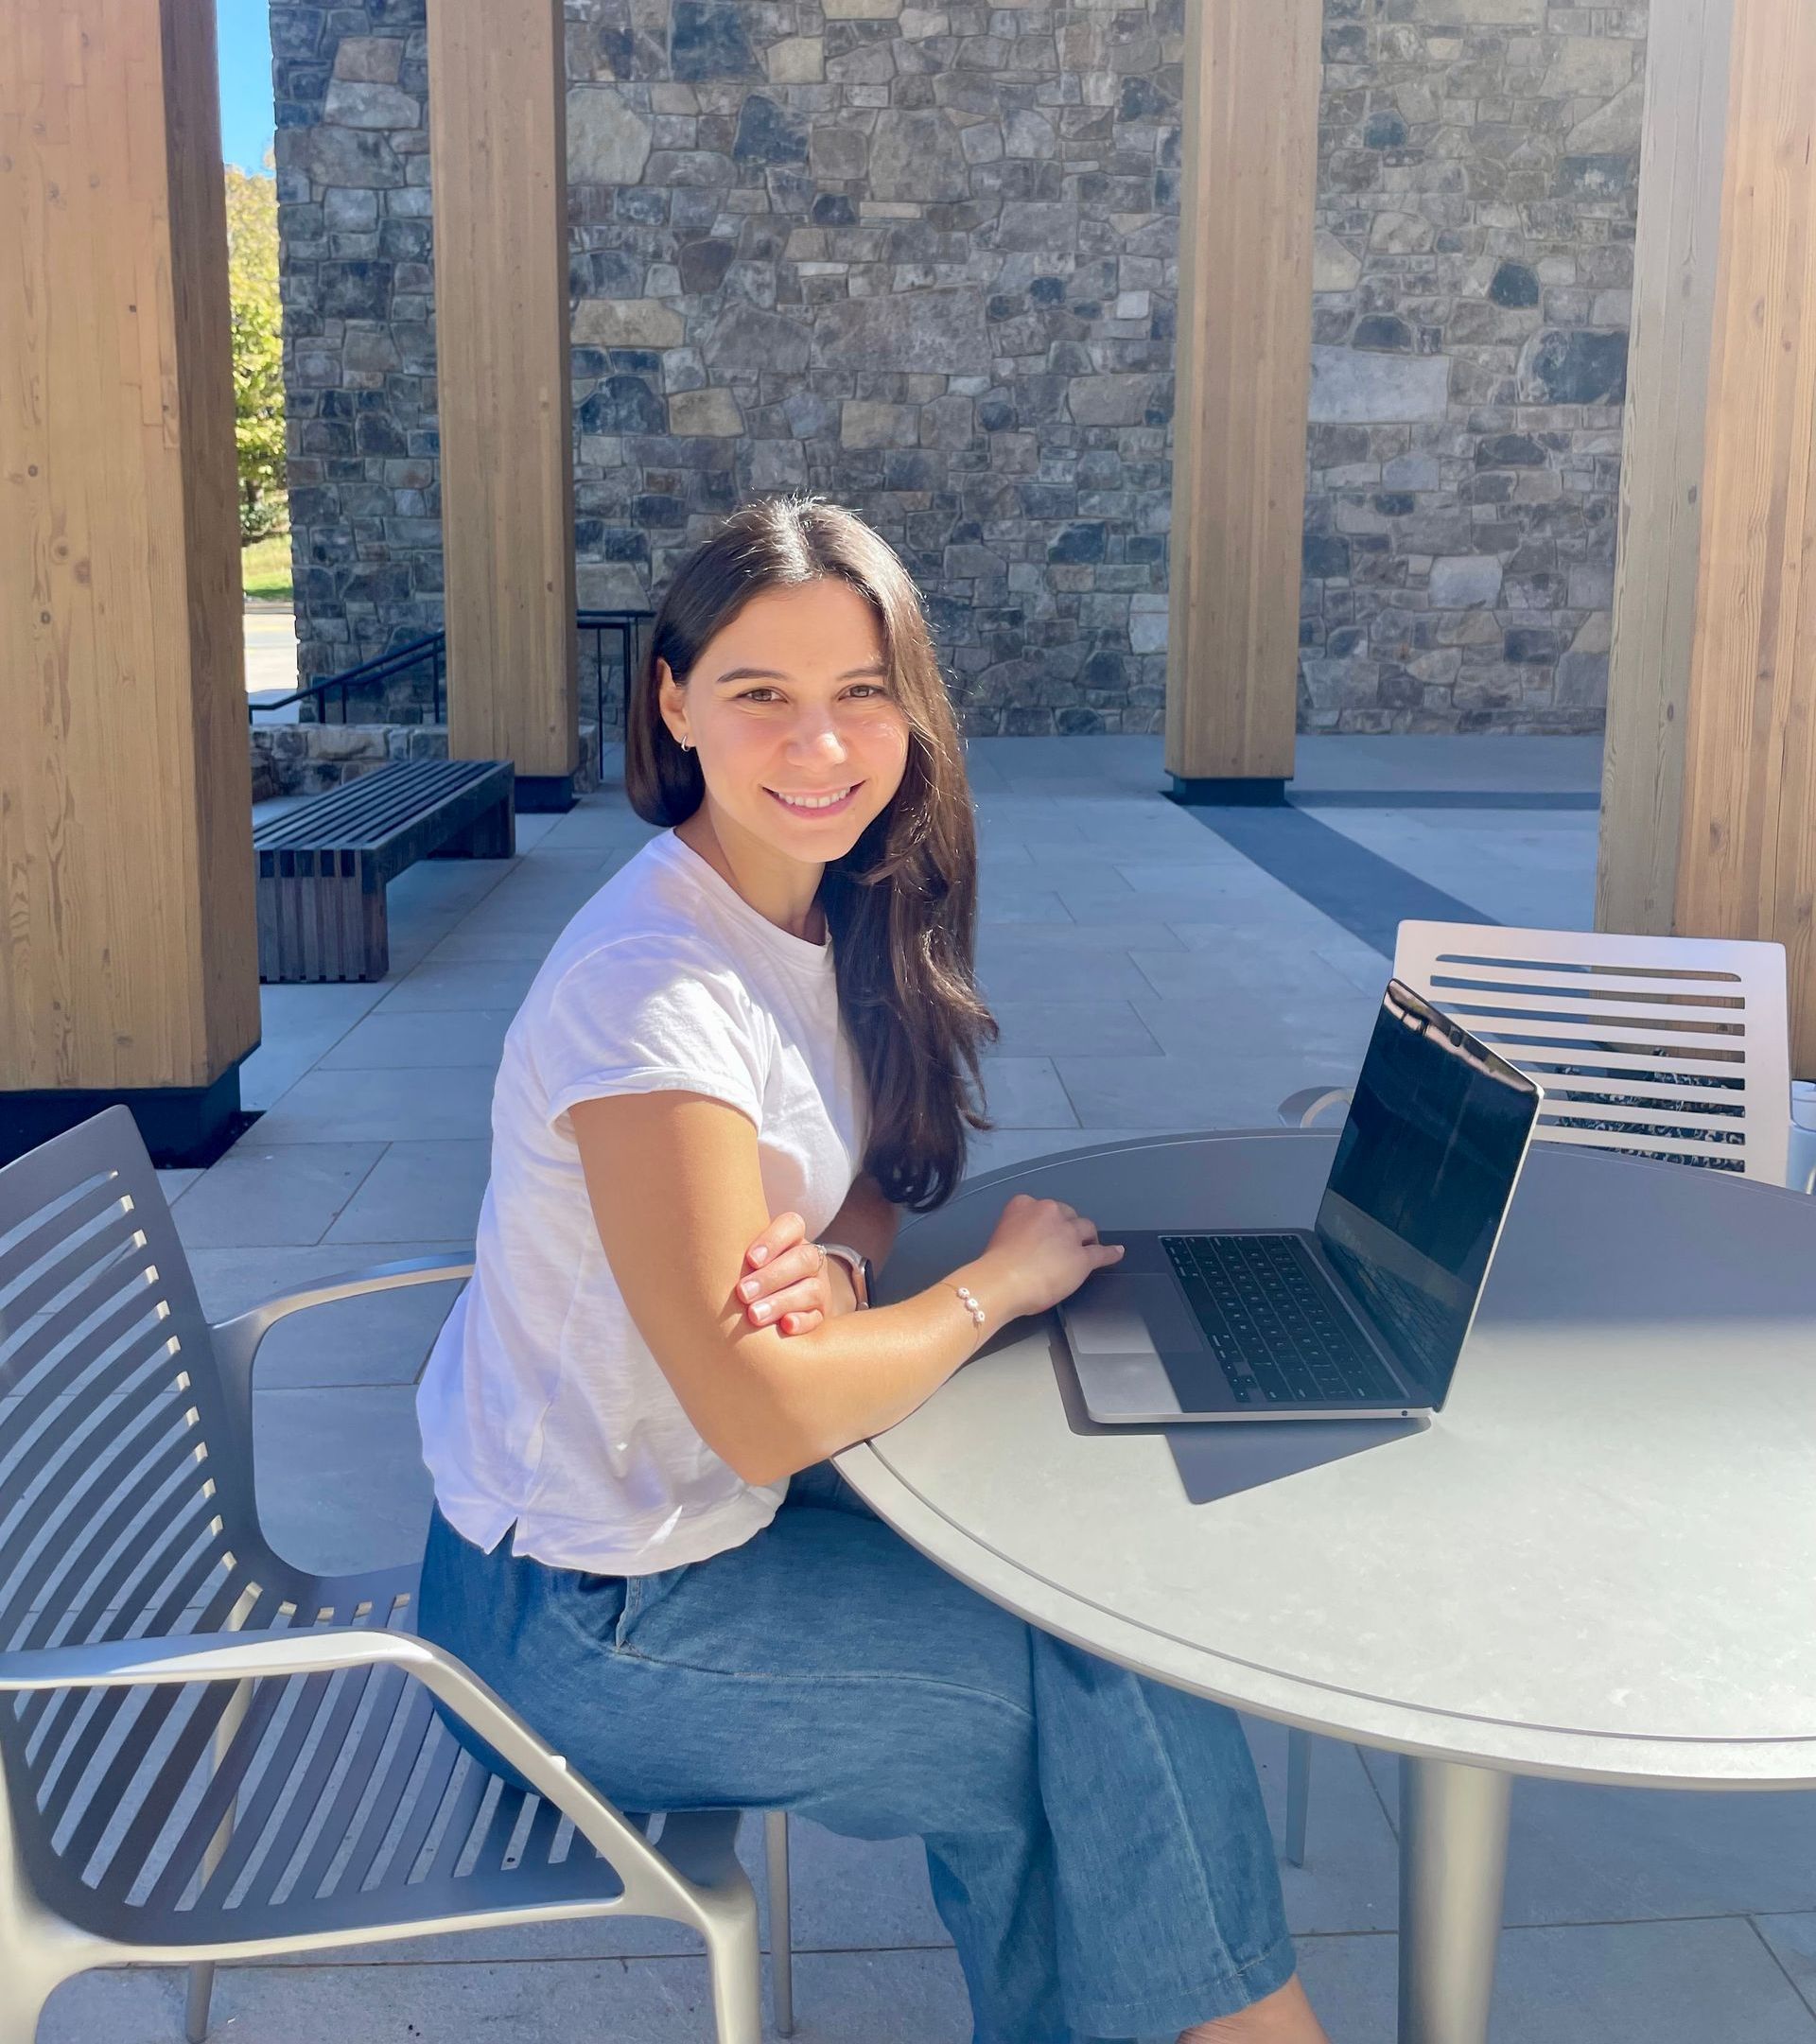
pixel 1044 1250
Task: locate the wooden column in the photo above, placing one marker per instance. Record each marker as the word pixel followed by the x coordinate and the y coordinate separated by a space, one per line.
pixel 1249 148
pixel 1683 149
pixel 128 955
pixel 497 151
pixel 1744 808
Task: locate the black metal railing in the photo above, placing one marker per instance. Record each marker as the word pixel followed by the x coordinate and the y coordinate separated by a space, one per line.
pixel 431 651
pixel 628 625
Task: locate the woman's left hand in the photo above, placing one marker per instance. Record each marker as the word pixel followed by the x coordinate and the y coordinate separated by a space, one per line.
pixel 783 1285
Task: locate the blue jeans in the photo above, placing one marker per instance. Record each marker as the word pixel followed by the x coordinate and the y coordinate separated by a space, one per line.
pixel 1095 1841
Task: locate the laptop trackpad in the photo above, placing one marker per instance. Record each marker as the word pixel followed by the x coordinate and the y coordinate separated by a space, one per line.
pixel 1113 1314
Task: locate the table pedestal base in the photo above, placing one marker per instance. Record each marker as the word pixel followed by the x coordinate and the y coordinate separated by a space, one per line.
pixel 1453 1872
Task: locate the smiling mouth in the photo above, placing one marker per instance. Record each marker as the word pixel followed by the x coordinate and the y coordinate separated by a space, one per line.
pixel 816 804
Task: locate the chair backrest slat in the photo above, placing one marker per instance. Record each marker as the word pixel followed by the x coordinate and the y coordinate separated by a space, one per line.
pixel 143 1566
pixel 67 1560
pixel 42 1252
pixel 185 1553
pixel 254 1774
pixel 413 1723
pixel 218 1800
pixel 69 1791
pixel 395 1722
pixel 463 1813
pixel 1666 1047
pixel 259 1825
pixel 123 1343
pixel 345 1699
pixel 196 1714
pixel 499 1832
pixel 429 1788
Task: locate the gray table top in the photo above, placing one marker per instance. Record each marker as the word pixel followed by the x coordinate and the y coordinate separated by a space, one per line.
pixel 1599 1562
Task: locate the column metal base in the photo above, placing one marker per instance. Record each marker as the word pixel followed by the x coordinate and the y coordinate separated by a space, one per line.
pixel 183 1126
pixel 543 794
pixel 1195 793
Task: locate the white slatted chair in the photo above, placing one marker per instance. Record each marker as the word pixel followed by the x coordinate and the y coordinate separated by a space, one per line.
pixel 1664 1047
pixel 206 1753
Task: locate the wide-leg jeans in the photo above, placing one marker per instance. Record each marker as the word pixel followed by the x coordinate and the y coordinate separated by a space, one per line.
pixel 1095 1841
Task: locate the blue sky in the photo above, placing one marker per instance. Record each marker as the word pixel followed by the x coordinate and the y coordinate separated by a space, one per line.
pixel 244 30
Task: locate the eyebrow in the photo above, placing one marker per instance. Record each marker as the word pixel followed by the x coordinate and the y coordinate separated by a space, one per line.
pixel 770 673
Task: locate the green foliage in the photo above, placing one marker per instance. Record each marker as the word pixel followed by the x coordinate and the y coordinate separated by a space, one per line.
pixel 258 352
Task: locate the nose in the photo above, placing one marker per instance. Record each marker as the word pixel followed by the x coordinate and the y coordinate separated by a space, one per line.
pixel 817 736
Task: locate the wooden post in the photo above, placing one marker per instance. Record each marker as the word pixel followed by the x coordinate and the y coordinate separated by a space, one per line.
pixel 1682 150
pixel 1709 829
pixel 498 151
pixel 127 954
pixel 1249 148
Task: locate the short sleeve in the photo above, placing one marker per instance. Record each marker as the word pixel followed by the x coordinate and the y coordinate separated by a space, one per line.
pixel 647 1016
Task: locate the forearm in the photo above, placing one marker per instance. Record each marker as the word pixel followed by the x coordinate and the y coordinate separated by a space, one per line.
pixel 858 1374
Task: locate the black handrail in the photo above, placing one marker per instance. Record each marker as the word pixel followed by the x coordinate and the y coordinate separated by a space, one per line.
pixel 370 673
pixel 432 650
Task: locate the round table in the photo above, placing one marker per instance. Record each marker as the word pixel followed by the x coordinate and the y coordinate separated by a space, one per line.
pixel 1598 1563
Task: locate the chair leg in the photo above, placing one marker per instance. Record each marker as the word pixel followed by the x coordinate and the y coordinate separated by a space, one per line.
pixel 1298 1793
pixel 735 1955
pixel 782 1941
pixel 20 2008
pixel 24 1990
pixel 202 1976
pixel 201 1990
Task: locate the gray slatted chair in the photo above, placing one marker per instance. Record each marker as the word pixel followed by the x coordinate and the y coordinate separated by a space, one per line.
pixel 206 1753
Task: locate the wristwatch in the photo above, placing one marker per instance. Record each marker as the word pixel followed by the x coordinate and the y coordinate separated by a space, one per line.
pixel 857 1263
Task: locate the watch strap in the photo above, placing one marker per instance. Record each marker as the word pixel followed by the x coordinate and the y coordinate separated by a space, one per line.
pixel 857 1263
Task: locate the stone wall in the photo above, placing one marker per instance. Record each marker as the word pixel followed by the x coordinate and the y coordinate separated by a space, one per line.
pixel 1477 169
pixel 355 242
pixel 922 258
pixel 311 759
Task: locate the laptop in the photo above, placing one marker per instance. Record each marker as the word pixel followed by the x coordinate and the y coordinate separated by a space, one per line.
pixel 1364 1314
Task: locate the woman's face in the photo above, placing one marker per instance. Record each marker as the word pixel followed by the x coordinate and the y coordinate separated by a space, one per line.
pixel 794 698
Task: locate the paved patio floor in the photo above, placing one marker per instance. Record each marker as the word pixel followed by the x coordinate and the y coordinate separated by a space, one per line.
pixel 1152 968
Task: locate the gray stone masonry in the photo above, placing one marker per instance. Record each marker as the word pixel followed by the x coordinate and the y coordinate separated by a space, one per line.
pixel 1477 169
pixel 923 258
pixel 309 758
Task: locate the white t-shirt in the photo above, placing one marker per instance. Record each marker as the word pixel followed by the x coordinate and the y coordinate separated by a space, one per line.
pixel 541 1403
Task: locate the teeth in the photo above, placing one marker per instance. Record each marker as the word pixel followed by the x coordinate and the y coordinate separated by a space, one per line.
pixel 824 801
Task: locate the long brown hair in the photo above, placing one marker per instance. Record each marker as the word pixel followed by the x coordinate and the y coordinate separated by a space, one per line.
pixel 902 904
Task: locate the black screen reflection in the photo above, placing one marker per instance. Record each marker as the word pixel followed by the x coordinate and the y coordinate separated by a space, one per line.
pixel 1425 1169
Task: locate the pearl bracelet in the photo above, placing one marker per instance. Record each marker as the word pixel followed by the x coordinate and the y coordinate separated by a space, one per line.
pixel 968 1298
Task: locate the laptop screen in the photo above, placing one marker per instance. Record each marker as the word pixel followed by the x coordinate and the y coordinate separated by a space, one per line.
pixel 1425 1169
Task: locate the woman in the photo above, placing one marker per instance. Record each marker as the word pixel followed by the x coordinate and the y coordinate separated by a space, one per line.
pixel 762 1030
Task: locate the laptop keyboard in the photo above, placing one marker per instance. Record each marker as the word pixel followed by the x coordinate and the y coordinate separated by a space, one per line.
pixel 1261 1303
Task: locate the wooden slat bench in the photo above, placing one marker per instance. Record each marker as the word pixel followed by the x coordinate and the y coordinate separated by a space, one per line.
pixel 323 867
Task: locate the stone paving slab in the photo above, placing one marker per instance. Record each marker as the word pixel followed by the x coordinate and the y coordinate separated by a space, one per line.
pixel 430 1188
pixel 1667 1984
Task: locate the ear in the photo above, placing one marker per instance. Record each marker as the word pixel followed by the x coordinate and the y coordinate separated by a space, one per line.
pixel 671 699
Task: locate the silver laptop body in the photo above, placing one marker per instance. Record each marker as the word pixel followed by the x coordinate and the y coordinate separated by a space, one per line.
pixel 1360 1316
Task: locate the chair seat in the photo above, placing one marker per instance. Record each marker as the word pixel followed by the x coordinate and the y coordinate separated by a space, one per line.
pixel 354 1810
